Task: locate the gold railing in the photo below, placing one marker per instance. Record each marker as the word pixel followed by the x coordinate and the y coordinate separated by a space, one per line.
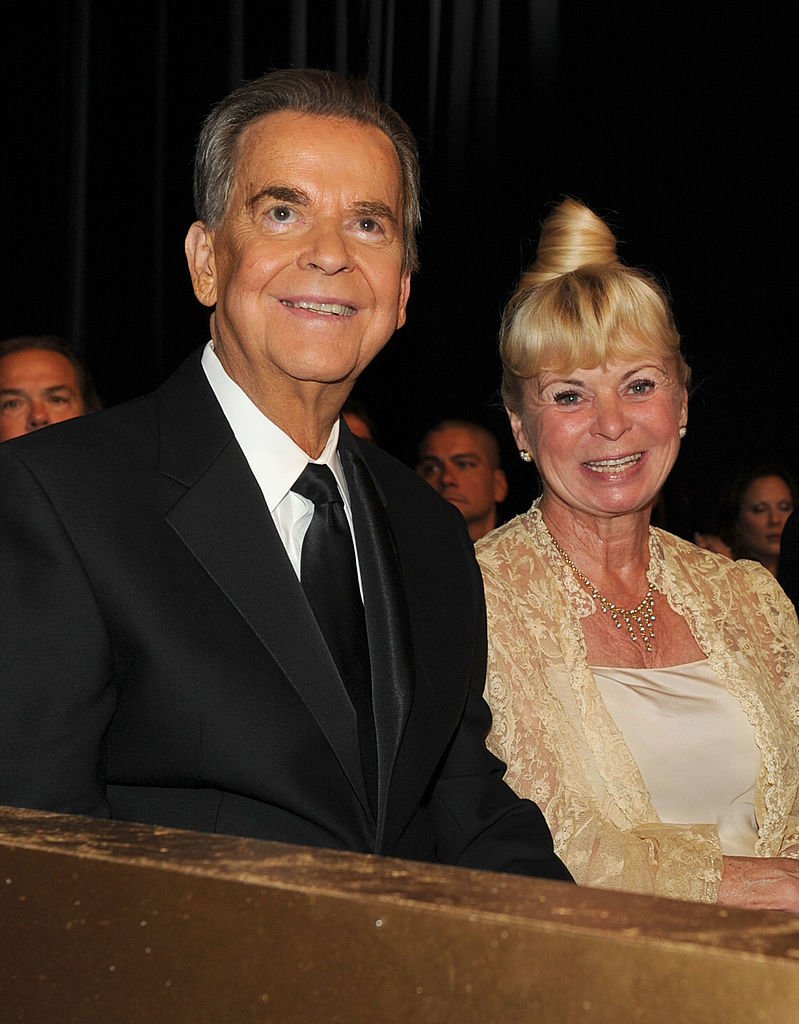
pixel 113 922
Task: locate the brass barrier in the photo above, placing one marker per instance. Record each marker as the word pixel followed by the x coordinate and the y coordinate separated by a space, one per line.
pixel 112 922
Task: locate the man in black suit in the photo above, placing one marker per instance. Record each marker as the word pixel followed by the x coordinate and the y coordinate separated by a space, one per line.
pixel 167 657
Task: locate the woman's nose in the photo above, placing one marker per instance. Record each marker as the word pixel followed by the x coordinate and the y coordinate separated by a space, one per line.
pixel 609 418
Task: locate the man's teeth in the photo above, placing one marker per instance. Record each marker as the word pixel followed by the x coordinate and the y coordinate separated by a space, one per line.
pixel 613 465
pixel 321 307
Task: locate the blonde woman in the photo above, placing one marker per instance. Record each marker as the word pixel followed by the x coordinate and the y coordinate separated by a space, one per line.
pixel 645 692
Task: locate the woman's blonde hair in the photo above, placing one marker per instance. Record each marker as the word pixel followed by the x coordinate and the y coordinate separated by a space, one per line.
pixel 579 306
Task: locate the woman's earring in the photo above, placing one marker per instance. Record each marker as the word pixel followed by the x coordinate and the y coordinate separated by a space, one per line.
pixel 524 455
pixel 682 431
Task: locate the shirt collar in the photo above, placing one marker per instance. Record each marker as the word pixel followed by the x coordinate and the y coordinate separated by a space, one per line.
pixel 274 458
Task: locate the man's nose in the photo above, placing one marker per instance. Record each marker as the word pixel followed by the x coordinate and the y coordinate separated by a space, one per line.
pixel 448 476
pixel 326 250
pixel 38 415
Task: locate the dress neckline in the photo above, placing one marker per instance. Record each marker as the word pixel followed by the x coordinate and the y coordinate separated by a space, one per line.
pixel 655 668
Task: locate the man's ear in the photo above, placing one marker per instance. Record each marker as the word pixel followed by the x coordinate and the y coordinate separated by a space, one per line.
pixel 405 291
pixel 500 486
pixel 200 257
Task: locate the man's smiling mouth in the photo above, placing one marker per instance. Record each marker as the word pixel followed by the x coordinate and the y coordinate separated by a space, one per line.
pixel 331 308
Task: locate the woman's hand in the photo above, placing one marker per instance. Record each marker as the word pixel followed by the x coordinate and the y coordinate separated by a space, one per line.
pixel 760 883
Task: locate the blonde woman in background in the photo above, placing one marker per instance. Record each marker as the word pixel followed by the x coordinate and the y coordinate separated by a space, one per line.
pixel 645 692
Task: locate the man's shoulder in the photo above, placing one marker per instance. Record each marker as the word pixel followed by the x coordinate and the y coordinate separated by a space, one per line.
pixel 84 435
pixel 424 525
pixel 401 484
pixel 119 433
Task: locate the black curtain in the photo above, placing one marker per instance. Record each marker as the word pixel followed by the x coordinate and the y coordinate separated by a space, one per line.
pixel 676 127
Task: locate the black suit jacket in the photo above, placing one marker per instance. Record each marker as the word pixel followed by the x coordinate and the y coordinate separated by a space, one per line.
pixel 163 665
pixel 788 572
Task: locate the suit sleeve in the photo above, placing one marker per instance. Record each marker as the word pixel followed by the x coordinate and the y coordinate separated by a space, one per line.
pixel 56 696
pixel 480 821
pixel 789 559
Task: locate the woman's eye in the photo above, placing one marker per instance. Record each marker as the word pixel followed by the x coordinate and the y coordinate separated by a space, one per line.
pixel 642 387
pixel 566 397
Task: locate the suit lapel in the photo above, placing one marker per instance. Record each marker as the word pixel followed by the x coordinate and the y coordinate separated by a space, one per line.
pixel 424 664
pixel 387 621
pixel 223 520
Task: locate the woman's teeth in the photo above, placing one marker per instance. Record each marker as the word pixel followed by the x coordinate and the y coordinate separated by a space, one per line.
pixel 613 465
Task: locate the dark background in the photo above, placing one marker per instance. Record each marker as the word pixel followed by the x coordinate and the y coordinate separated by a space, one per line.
pixel 676 125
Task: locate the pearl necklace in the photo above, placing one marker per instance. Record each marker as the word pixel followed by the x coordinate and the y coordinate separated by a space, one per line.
pixel 639 620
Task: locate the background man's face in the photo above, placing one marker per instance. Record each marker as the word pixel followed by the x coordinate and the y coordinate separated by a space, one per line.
pixel 306 267
pixel 37 387
pixel 457 463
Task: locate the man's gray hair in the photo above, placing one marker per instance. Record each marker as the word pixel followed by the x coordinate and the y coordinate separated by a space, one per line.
pixel 307 91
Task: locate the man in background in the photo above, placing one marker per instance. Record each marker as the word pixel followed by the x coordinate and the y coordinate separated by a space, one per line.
pixel 460 460
pixel 42 381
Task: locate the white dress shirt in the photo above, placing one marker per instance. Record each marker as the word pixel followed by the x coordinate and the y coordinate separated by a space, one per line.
pixel 275 460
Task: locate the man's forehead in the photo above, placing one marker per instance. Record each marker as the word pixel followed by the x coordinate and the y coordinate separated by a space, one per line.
pixel 274 145
pixel 281 128
pixel 37 362
pixel 277 122
pixel 454 441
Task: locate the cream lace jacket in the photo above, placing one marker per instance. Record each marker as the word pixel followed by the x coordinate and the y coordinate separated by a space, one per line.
pixel 563 748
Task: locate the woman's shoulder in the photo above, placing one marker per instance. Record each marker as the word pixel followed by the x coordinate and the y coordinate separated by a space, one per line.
pixel 519 537
pixel 727 580
pixel 691 555
pixel 515 560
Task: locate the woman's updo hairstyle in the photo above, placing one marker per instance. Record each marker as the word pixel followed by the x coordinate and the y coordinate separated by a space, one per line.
pixel 578 305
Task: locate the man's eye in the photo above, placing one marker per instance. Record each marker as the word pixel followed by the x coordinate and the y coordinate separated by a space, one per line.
pixel 370 226
pixel 281 214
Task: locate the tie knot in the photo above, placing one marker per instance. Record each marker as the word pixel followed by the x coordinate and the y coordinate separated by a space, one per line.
pixel 317 484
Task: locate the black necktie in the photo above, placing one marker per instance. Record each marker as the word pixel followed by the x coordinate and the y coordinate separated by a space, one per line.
pixel 330 580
